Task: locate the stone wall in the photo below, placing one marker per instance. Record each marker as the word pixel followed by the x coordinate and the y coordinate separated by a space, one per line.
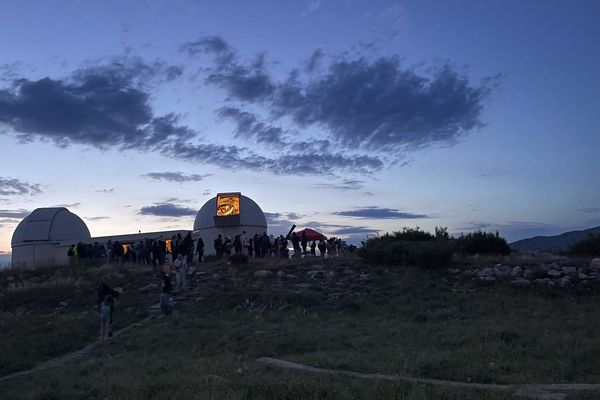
pixel 563 274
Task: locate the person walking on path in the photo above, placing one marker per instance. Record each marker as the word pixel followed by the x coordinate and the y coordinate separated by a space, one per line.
pixel 105 312
pixel 200 249
pixel 179 268
pixel 165 295
pixel 103 291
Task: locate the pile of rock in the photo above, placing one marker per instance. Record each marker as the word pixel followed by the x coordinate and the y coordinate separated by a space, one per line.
pixel 540 275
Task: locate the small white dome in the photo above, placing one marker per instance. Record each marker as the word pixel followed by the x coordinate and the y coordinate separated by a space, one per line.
pixel 50 224
pixel 250 214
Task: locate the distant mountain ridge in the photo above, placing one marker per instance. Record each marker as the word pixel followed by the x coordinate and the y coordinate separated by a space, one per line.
pixel 560 242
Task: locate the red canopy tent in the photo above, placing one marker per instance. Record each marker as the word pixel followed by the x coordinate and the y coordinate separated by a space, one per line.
pixel 311 234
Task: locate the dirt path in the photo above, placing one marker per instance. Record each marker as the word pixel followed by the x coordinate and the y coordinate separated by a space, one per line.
pixel 525 391
pixel 61 360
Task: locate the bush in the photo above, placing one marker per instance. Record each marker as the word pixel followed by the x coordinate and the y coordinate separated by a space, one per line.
pixel 410 247
pixel 482 243
pixel 431 254
pixel 588 246
pixel 238 258
pixel 413 235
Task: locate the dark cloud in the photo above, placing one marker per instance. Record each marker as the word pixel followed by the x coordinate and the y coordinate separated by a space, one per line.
pixel 354 231
pixel 96 218
pixel 325 164
pixel 167 210
pixel 106 191
pixel 590 210
pixel 343 184
pixel 282 218
pixel 249 127
pixel 175 177
pixel 71 205
pixel 376 104
pixel 9 221
pixel 208 44
pixel 280 223
pixel 102 106
pixel 285 164
pixel 373 212
pixel 314 60
pixel 248 82
pixel 379 105
pixel 11 187
pixel 20 213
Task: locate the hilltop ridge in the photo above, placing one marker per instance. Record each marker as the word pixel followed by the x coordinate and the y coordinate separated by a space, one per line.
pixel 560 242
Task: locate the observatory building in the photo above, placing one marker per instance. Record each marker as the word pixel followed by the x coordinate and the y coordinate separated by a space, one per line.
pixel 45 235
pixel 228 214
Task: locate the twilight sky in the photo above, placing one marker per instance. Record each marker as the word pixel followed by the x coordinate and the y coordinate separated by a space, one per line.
pixel 345 116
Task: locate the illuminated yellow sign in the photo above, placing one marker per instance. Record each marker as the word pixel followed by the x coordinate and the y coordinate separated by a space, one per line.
pixel 228 204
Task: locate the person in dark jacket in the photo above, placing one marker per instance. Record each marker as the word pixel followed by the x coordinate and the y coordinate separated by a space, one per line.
pixel 200 249
pixel 105 291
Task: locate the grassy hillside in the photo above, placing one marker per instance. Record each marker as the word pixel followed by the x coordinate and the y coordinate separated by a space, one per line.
pixel 338 314
pixel 562 242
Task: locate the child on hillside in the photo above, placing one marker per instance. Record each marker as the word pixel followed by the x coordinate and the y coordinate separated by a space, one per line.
pixel 165 294
pixel 104 311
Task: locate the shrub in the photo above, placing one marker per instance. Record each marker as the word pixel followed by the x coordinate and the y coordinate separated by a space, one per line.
pixel 482 243
pixel 431 254
pixel 410 246
pixel 238 258
pixel 587 246
pixel 413 235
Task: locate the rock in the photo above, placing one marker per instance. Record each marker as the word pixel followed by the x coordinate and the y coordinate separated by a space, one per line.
pixel 554 273
pixel 10 279
pixel 148 288
pixel 468 273
pixel 502 272
pixel 486 272
pixel 564 282
pixel 487 280
pixel 535 272
pixel 520 282
pixel 583 276
pixel 453 271
pixel 215 276
pixel 63 304
pixel 263 274
pixel 303 285
pixel 119 290
pixel 291 277
pixel 347 271
pixel 541 282
pixel 516 271
pixel 569 270
pixel 315 274
pixel 595 264
pixel 280 274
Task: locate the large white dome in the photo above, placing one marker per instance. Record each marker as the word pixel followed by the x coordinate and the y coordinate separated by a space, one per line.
pixel 250 214
pixel 50 224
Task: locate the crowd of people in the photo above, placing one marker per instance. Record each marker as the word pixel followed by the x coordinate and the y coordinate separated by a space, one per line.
pixel 184 251
pixel 264 246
